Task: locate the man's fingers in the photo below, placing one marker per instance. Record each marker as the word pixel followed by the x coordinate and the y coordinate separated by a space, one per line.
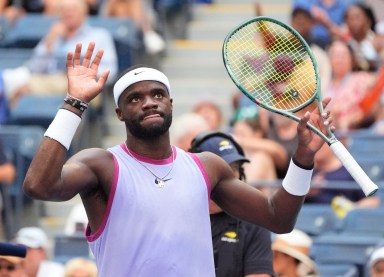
pixel 97 59
pixel 76 57
pixel 88 54
pixel 69 60
pixel 103 78
pixel 326 101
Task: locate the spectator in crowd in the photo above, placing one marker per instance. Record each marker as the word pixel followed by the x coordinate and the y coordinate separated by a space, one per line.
pixel 375 265
pixel 328 14
pixel 362 38
pixel 37 262
pixel 303 22
pixel 7 176
pixel 291 255
pixel 80 267
pixel 240 248
pixel 329 168
pixel 282 130
pixel 185 127
pixel 347 88
pixel 11 266
pixel 143 16
pixel 9 11
pixel 47 64
pixel 174 16
pixel 52 7
pixel 211 113
pixel 266 156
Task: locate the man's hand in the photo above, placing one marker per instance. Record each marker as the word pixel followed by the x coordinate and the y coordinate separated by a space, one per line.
pixel 82 76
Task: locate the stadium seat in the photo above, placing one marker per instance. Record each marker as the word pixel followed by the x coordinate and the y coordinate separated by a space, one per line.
pixel 316 219
pixel 365 144
pixel 4 26
pixel 364 221
pixel 340 270
pixel 67 247
pixel 35 110
pixel 126 35
pixel 344 248
pixel 28 30
pixel 14 57
pixel 373 165
pixel 22 142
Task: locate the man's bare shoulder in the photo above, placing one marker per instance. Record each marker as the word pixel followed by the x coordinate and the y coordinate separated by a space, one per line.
pixel 212 162
pixel 92 155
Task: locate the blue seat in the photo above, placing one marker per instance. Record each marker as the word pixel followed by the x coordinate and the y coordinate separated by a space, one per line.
pixel 127 37
pixel 373 165
pixel 365 144
pixel 316 219
pixel 14 57
pixel 4 26
pixel 67 247
pixel 35 110
pixel 364 221
pixel 337 270
pixel 344 248
pixel 22 142
pixel 28 30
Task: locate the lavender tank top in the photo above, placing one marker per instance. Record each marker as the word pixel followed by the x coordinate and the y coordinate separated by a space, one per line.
pixel 152 231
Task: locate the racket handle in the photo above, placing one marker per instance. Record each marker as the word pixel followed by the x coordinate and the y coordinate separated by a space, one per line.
pixel 366 184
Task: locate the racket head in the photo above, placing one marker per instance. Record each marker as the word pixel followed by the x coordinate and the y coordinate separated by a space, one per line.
pixel 272 65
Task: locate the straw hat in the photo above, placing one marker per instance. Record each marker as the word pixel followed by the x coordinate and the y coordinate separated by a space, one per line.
pixel 296 244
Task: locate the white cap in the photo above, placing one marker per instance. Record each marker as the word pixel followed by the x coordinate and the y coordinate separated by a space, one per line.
pixel 137 75
pixel 376 256
pixel 296 244
pixel 32 237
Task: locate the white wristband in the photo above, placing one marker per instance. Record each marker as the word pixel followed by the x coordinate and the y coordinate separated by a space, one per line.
pixel 63 127
pixel 297 180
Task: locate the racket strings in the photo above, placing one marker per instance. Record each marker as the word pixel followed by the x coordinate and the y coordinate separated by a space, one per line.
pixel 272 65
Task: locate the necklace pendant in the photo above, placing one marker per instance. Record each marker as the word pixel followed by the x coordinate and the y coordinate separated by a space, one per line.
pixel 160 183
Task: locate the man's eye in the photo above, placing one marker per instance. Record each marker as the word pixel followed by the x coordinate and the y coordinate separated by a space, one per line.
pixel 159 95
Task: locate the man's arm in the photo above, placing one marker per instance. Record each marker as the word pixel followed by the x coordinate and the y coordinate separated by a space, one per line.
pixel 47 175
pixel 279 212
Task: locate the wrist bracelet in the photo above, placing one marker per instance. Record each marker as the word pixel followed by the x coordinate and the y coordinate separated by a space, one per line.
pixel 76 103
pixel 63 127
pixel 297 180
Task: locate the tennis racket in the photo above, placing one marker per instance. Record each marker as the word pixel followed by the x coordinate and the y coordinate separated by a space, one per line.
pixel 274 67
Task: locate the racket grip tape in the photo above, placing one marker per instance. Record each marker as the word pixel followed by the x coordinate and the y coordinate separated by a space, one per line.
pixel 366 184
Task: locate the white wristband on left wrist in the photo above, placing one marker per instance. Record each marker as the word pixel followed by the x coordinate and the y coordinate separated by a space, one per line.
pixel 297 180
pixel 63 127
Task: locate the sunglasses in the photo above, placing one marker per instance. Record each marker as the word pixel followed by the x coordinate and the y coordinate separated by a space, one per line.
pixel 10 267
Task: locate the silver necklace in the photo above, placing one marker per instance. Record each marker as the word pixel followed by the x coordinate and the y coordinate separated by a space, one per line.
pixel 159 181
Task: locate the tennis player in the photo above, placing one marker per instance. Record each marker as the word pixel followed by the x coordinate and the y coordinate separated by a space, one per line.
pixel 145 198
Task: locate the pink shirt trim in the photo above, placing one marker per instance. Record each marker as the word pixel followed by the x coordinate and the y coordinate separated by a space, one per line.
pixel 149 160
pixel 88 232
pixel 203 171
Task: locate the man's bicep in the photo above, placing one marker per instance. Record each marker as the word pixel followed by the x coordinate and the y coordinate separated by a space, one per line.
pixel 81 173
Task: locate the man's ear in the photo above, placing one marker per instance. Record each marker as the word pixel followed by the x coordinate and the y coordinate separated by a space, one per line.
pixel 119 114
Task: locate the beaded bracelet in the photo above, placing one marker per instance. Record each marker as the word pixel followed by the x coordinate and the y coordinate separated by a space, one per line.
pixel 76 103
